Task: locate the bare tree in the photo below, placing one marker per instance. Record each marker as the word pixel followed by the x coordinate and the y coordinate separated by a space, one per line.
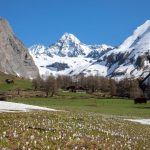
pixel 50 86
pixel 112 87
pixel 36 83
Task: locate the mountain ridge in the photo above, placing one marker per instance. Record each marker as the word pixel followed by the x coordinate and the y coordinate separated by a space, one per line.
pixel 129 60
pixel 68 51
pixel 132 56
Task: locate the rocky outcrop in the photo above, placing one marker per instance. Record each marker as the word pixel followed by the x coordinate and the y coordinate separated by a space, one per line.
pixel 14 56
pixel 58 66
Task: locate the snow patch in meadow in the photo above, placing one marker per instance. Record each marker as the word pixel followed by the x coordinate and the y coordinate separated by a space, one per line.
pixel 15 107
pixel 141 121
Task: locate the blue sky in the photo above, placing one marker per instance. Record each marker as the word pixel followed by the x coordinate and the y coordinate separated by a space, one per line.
pixel 92 21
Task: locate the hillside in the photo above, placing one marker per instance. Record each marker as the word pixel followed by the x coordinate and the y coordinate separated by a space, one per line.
pixel 14 56
pixel 18 83
pixel 132 58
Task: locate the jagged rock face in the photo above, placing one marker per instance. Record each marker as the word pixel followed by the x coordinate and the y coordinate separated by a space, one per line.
pixel 14 57
pixel 68 45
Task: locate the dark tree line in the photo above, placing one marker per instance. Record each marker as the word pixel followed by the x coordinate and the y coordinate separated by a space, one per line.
pixel 91 84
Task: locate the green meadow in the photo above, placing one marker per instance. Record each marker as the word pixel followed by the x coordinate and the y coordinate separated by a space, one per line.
pixel 82 102
pixel 86 122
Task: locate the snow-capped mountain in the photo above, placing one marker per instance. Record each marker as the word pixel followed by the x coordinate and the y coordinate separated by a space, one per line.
pixel 69 46
pixel 132 57
pixel 69 56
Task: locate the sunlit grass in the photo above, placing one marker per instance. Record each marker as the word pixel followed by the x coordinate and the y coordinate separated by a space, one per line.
pixel 121 107
pixel 70 130
pixel 18 83
pixel 88 123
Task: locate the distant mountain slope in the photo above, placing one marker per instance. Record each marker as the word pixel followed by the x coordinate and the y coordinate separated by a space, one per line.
pixel 132 57
pixel 69 56
pixel 14 57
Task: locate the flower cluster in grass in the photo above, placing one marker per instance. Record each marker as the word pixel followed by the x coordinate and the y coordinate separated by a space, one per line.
pixel 70 130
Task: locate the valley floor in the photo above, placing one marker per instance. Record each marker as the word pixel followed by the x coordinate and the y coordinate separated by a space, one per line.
pixel 88 123
pixel 70 130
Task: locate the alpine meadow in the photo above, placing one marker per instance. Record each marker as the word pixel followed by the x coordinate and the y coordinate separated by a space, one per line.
pixel 79 78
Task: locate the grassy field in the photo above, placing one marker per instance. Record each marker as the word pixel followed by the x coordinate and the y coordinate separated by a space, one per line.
pixel 18 83
pixel 70 131
pixel 82 102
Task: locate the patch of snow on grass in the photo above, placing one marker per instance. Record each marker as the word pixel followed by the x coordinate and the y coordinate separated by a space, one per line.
pixel 141 121
pixel 14 107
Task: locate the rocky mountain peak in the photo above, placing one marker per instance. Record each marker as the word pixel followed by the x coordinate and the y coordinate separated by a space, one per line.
pixel 37 49
pixel 68 37
pixel 68 56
